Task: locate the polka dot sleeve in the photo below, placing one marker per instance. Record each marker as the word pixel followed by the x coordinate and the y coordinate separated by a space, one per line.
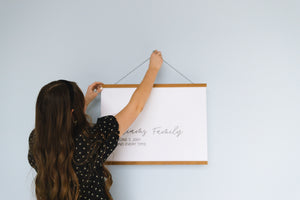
pixel 108 130
pixel 30 155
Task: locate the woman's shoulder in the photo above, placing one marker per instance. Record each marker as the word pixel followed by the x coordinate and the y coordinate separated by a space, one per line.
pixel 107 124
pixel 104 127
pixel 107 119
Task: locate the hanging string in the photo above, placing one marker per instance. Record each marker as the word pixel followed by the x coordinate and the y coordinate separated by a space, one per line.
pixel 133 70
pixel 178 71
pixel 146 61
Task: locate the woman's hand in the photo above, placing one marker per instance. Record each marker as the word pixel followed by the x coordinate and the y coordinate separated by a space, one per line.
pixel 156 60
pixel 93 90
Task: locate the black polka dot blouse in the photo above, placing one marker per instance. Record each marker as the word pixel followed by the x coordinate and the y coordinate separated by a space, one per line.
pixel 90 154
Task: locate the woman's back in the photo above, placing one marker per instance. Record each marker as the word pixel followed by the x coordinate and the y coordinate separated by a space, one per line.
pixel 92 148
pixel 90 155
pixel 67 153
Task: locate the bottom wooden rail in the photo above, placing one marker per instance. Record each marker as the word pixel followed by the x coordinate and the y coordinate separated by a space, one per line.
pixel 156 162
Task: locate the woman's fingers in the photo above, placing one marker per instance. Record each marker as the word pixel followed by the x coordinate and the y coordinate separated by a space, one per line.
pixel 156 60
pixel 156 52
pixel 99 89
pixel 96 84
pixel 96 87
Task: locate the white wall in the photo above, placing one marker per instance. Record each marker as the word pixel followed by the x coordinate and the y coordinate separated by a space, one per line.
pixel 246 51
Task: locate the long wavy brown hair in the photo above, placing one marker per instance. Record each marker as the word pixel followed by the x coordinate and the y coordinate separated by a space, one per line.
pixel 59 117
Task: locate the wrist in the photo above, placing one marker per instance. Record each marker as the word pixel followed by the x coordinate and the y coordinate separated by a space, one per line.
pixel 87 101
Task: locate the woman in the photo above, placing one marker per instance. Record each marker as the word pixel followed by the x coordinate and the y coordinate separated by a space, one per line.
pixel 67 152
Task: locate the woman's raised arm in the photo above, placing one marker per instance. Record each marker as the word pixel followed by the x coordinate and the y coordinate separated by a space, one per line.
pixel 140 96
